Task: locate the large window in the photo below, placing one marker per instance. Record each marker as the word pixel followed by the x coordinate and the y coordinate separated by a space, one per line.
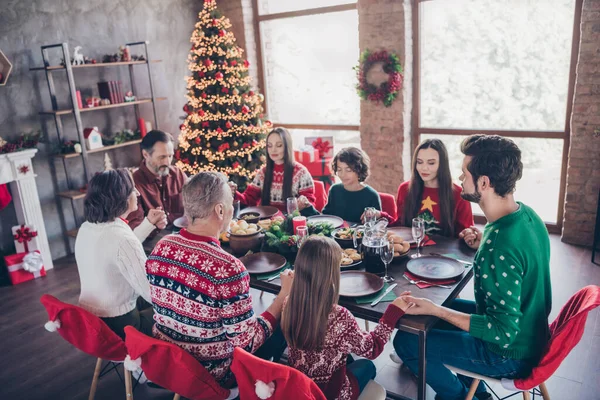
pixel 500 67
pixel 307 51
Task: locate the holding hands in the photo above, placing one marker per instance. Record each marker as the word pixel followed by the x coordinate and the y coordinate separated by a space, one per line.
pixel 158 218
pixel 472 237
pixel 401 301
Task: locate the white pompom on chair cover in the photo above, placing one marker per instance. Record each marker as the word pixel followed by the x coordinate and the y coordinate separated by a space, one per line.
pixel 565 332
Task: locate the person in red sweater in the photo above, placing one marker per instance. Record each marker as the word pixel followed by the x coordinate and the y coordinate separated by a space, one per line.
pixel 431 195
pixel 321 334
pixel 201 293
pixel 280 178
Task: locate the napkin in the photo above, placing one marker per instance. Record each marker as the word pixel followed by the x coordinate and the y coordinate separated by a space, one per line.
pixel 427 241
pixel 426 285
pixel 268 275
pixel 391 296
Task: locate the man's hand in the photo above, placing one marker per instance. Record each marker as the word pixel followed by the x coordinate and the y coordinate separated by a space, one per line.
pixel 287 278
pixel 420 306
pixel 303 203
pixel 472 237
pixel 401 302
pixel 158 218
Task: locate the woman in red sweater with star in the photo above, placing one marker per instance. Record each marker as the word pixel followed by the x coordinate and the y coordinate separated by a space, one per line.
pixel 431 195
pixel 280 178
pixel 321 334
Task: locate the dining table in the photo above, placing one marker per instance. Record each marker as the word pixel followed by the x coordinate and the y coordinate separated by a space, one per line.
pixel 417 324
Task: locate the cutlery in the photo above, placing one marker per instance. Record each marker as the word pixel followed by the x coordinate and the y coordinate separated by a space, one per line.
pixel 389 289
pixel 427 283
pixel 452 258
pixel 273 278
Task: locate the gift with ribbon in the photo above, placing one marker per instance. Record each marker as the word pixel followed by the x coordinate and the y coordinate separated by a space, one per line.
pixel 324 147
pixel 306 154
pixel 23 267
pixel 321 170
pixel 25 237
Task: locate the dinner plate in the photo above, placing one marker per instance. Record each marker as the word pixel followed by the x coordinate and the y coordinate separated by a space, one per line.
pixel 336 221
pixel 263 262
pixel 435 267
pixel 359 283
pixel 404 232
pixel 264 212
pixel 181 222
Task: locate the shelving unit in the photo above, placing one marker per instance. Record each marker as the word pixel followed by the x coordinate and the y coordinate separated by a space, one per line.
pixel 73 194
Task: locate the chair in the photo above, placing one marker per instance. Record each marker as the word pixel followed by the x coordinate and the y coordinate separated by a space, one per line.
pixel 373 391
pixel 388 205
pixel 565 332
pixel 89 334
pixel 320 195
pixel 172 367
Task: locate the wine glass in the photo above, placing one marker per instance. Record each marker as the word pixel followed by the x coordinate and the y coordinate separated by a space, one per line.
pixel 236 209
pixel 418 233
pixel 292 205
pixel 386 253
pixel 302 233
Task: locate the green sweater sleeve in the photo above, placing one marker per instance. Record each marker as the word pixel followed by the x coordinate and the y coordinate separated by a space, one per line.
pixel 498 280
pixel 327 210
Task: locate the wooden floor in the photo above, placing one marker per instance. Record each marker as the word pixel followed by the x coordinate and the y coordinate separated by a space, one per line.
pixel 37 364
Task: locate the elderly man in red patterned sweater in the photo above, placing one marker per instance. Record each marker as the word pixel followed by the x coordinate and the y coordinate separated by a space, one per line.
pixel 200 293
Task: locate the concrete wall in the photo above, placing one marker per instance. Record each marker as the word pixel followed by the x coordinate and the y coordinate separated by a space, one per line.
pixel 100 27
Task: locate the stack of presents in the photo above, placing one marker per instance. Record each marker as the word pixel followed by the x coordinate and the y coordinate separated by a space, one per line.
pixel 316 156
pixel 27 263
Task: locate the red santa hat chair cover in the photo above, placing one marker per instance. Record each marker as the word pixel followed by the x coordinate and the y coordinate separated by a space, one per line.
pixel 565 332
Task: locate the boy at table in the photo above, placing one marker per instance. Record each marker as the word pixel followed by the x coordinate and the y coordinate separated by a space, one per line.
pixel 503 333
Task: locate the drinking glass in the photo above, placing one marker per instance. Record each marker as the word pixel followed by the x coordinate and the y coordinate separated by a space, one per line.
pixel 302 233
pixel 418 233
pixel 236 209
pixel 292 205
pixel 370 215
pixel 387 255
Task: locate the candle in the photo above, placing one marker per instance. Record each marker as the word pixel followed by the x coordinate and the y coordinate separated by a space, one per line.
pixel 148 126
pixel 142 127
pixel 298 221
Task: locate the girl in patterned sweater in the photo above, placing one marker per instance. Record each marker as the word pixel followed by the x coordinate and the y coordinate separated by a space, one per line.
pixel 321 334
pixel 280 178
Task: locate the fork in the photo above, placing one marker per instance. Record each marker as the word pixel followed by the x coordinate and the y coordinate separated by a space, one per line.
pixel 412 281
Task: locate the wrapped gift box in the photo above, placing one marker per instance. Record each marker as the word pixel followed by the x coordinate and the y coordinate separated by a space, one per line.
pixel 306 155
pixel 25 237
pixel 321 170
pixel 23 267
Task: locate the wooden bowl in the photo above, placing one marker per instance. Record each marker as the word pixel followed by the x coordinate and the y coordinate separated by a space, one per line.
pixel 241 244
pixel 249 217
pixel 346 243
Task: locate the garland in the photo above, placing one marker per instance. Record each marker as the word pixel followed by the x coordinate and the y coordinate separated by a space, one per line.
pixel 26 141
pixel 387 91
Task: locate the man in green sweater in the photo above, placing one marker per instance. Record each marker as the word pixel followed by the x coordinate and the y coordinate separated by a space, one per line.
pixel 504 332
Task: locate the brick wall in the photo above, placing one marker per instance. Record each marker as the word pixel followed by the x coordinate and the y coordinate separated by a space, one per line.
pixel 381 27
pixel 583 173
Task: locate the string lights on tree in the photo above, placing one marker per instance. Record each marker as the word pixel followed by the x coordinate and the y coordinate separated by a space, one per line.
pixel 224 128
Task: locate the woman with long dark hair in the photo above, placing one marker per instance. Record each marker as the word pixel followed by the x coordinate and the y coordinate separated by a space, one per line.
pixel 110 258
pixel 280 178
pixel 431 195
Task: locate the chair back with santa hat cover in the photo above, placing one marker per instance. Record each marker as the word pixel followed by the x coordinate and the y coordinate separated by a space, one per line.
pixel 171 367
pixel 261 379
pixel 565 332
pixel 388 205
pixel 82 329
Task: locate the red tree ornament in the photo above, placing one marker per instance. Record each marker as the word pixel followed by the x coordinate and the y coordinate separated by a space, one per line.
pixel 246 63
pixel 201 113
pixel 218 76
pixel 181 127
pixel 228 125
pixel 221 33
pixel 197 140
pixel 245 110
pixel 207 62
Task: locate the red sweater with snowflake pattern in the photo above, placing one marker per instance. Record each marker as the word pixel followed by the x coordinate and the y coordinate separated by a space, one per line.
pixel 327 366
pixel 302 185
pixel 201 300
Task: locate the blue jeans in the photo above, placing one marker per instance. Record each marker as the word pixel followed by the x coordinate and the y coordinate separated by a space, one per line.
pixel 448 345
pixel 364 370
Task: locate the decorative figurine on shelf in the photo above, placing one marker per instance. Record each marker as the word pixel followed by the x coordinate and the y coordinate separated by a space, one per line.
pixel 108 58
pixel 70 146
pixel 77 148
pixel 77 56
pixel 105 102
pixel 92 102
pixel 138 58
pixel 107 162
pixel 129 96
pixel 124 53
pixel 93 138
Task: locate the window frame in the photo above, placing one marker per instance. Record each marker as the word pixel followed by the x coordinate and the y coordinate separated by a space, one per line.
pixel 565 135
pixel 262 81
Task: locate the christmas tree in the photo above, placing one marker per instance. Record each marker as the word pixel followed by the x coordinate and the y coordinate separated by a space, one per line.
pixel 224 129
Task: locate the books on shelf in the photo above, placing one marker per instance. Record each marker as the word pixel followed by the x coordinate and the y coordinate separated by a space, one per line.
pixel 112 90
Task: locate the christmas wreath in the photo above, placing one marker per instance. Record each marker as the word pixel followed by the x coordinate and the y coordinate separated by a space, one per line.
pixel 386 91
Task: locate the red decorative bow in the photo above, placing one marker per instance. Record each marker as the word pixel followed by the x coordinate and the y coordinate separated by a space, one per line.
pixel 25 235
pixel 322 146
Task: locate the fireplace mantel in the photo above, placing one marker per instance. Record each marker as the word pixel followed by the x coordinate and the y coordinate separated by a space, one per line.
pixel 17 170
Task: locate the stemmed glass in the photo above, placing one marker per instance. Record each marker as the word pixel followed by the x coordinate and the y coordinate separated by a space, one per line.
pixel 386 253
pixel 418 233
pixel 292 205
pixel 302 233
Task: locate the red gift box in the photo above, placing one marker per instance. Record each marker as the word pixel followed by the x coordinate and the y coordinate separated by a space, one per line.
pixel 305 156
pixel 18 270
pixel 321 170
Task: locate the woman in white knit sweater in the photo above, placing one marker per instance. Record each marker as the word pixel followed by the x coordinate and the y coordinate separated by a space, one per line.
pixel 110 258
